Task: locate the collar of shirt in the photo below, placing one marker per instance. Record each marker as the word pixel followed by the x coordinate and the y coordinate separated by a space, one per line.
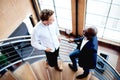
pixel 84 41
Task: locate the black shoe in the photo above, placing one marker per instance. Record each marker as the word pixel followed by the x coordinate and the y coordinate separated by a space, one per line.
pixel 58 69
pixel 71 67
pixel 81 76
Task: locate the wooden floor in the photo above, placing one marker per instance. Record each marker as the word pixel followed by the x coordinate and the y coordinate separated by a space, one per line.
pixel 41 71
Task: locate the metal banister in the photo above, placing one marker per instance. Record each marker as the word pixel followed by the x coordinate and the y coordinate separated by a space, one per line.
pixel 15 38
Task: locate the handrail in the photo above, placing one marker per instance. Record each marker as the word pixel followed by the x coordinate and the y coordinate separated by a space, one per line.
pixel 109 65
pixel 15 38
pixel 13 42
pixel 28 58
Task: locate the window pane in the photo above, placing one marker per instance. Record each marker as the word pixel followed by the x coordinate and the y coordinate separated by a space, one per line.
pixel 64 18
pixel 113 24
pixel 107 1
pixel 115 11
pixel 112 30
pixel 116 2
pixel 63 4
pixel 97 7
pixel 112 35
pixel 64 23
pixel 95 20
pixel 63 12
pixel 46 2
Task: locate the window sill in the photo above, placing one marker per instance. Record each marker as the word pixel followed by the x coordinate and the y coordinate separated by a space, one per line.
pixel 109 42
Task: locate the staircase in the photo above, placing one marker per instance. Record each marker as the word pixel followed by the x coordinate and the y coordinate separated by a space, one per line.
pixel 39 70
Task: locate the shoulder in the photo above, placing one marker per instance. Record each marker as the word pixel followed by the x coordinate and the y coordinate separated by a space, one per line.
pixel 95 39
pixel 37 26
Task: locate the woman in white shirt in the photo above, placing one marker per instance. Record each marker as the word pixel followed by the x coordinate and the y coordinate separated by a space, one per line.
pixel 46 37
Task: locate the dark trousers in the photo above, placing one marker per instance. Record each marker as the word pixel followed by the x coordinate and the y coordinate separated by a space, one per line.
pixel 86 71
pixel 52 58
pixel 73 56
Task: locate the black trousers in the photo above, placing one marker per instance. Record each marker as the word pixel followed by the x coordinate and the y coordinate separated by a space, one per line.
pixel 52 58
pixel 86 71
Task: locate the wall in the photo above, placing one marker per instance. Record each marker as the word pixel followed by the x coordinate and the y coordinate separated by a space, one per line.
pixel 12 12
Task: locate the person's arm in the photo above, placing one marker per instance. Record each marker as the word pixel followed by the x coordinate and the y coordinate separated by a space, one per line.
pixel 75 39
pixel 78 39
pixel 35 41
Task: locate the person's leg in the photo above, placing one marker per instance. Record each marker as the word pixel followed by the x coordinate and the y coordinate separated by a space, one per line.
pixel 49 56
pixel 73 56
pixel 52 59
pixel 56 54
pixel 85 74
pixel 56 66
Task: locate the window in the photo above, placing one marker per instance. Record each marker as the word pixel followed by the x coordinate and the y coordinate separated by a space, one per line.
pixel 105 14
pixel 62 11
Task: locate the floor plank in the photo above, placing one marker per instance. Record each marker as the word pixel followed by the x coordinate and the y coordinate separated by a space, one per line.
pixel 8 76
pixel 54 74
pixel 40 70
pixel 25 72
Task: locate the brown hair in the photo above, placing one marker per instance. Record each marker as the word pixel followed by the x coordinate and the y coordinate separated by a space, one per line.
pixel 45 14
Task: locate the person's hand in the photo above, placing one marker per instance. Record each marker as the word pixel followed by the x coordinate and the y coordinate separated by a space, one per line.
pixel 48 49
pixel 59 39
pixel 71 40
